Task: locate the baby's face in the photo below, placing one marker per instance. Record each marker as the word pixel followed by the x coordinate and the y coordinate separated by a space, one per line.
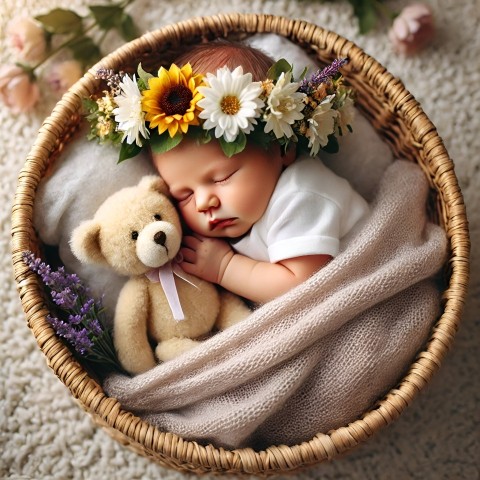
pixel 216 195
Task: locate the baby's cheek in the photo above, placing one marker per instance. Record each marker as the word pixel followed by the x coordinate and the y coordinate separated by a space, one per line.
pixel 193 220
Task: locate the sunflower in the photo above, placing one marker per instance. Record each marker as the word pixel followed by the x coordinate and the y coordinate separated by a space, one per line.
pixel 170 102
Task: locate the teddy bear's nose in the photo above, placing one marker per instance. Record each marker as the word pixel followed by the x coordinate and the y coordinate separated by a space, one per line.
pixel 160 238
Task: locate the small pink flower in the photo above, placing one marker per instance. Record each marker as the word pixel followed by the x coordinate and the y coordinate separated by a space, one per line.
pixel 27 38
pixel 413 29
pixel 17 89
pixel 63 75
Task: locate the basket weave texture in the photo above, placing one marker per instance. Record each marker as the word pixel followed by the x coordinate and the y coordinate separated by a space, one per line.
pixel 399 120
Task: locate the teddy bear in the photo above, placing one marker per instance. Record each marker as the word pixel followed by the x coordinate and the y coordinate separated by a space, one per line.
pixel 161 311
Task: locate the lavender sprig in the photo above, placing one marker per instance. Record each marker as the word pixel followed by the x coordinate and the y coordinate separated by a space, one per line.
pixel 112 78
pixel 322 76
pixel 81 320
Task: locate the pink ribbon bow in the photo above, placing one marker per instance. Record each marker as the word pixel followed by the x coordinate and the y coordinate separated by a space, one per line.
pixel 165 275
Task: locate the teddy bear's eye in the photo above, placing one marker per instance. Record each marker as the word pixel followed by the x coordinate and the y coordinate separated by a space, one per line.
pixel 134 235
pixel 157 216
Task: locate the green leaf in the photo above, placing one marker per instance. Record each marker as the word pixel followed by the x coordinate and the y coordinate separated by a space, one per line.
pixel 200 135
pixel 231 148
pixel 143 75
pixel 163 143
pixel 89 105
pixel 141 85
pixel 279 67
pixel 366 13
pixel 367 21
pixel 302 75
pixel 106 17
pixel 259 137
pixel 128 151
pixel 85 51
pixel 332 145
pixel 61 21
pixel 127 28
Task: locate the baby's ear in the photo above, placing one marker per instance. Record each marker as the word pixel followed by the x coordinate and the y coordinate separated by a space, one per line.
pixel 85 243
pixel 154 183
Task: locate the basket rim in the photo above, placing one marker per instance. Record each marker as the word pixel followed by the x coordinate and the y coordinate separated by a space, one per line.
pixel 167 448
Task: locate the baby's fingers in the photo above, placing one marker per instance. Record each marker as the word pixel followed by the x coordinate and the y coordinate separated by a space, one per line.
pixel 190 242
pixel 188 255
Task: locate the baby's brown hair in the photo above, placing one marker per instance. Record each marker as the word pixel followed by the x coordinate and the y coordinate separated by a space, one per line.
pixel 208 57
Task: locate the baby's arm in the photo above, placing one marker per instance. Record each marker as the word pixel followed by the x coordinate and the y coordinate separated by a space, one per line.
pixel 214 260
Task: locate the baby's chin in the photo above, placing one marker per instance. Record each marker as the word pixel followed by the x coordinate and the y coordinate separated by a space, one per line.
pixel 234 231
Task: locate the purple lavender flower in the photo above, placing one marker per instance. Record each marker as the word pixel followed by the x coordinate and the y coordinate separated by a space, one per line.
pixel 66 298
pixel 322 75
pixel 60 280
pixel 35 264
pixel 43 270
pixel 95 327
pixel 75 319
pixel 81 319
pixel 77 338
pixel 57 281
pixel 60 327
pixel 87 306
pixel 82 342
pixel 112 78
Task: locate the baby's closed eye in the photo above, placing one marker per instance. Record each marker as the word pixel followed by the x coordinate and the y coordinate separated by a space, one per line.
pixel 182 197
pixel 225 178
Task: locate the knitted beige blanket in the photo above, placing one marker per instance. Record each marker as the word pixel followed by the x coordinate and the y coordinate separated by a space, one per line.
pixel 320 355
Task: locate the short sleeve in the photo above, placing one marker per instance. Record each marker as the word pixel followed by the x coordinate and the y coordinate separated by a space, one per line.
pixel 303 223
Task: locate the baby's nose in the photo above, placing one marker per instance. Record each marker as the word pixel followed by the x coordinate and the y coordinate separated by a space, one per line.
pixel 207 202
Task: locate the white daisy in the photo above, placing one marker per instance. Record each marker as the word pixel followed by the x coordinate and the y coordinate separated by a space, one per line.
pixel 321 125
pixel 231 103
pixel 129 114
pixel 284 106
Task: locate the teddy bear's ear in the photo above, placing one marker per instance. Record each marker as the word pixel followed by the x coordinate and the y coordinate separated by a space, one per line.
pixel 154 183
pixel 85 243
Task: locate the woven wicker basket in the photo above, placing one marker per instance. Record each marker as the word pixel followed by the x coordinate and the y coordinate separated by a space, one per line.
pixel 399 120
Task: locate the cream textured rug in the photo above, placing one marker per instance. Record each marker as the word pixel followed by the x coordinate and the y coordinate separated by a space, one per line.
pixel 45 435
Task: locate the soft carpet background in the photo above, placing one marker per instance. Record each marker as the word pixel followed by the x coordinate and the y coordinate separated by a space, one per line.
pixel 45 435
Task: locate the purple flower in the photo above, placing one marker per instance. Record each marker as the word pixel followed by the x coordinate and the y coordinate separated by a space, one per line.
pixel 322 75
pixel 87 306
pixel 66 298
pixel 112 78
pixel 60 280
pixel 75 319
pixel 81 342
pixel 95 327
pixel 34 264
pixel 77 338
pixel 81 320
pixel 60 327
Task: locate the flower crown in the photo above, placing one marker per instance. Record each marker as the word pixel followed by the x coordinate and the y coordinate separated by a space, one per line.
pixel 161 110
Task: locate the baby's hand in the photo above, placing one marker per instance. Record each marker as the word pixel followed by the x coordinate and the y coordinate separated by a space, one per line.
pixel 206 258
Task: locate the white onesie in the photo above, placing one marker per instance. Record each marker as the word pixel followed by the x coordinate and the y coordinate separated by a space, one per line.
pixel 310 210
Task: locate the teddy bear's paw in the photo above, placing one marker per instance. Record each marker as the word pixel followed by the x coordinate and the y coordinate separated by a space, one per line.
pixel 138 366
pixel 174 347
pixel 232 310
